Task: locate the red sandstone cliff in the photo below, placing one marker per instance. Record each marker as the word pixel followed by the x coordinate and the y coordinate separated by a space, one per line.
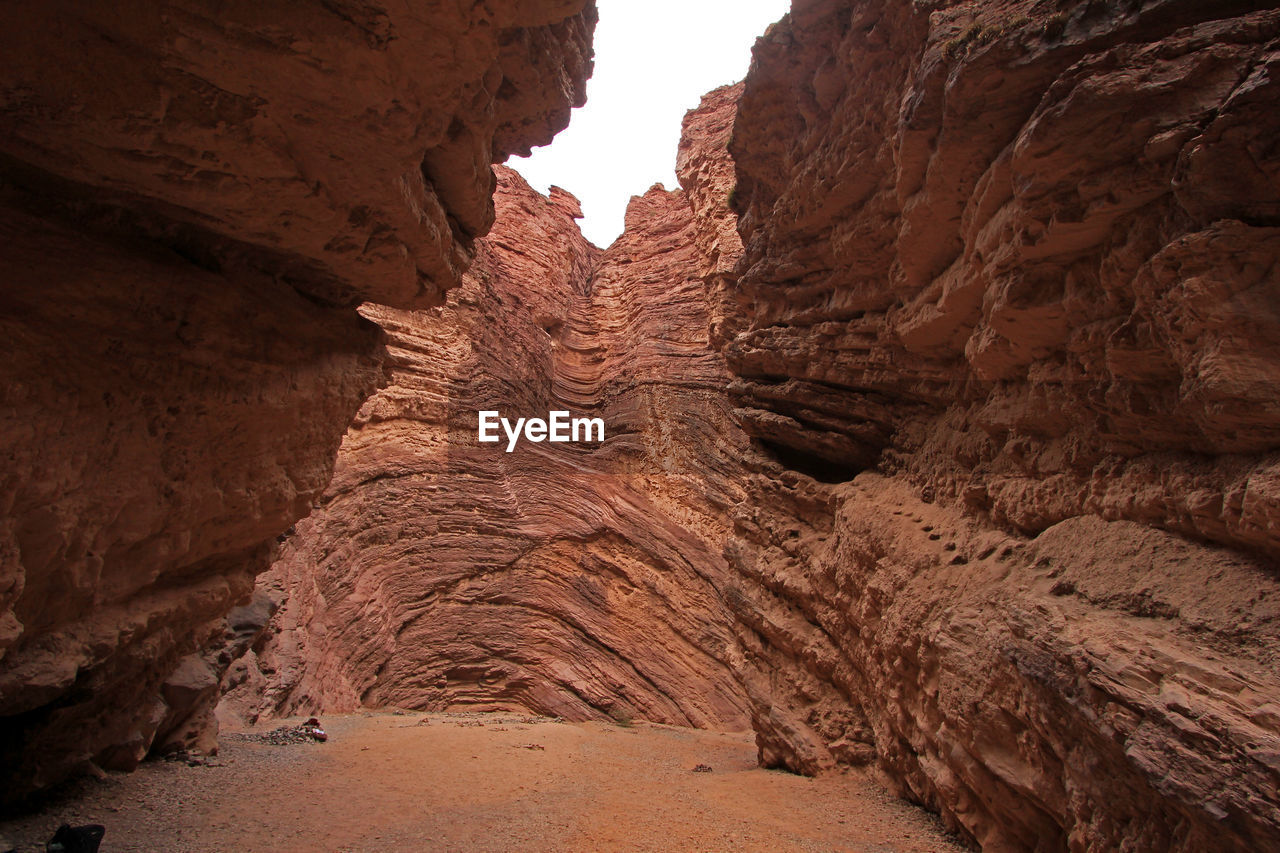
pixel 567 579
pixel 999 309
pixel 192 198
pixel 1017 264
pixel 1098 682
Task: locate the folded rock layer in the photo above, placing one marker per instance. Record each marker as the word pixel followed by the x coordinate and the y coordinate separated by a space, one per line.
pixel 193 198
pixel 574 579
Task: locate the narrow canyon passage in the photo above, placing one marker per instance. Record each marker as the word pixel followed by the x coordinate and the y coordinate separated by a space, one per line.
pixel 940 468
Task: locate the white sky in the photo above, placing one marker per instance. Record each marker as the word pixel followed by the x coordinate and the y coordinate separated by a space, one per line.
pixel 654 60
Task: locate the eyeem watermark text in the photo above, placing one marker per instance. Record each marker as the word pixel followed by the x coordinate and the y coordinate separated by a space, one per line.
pixel 558 427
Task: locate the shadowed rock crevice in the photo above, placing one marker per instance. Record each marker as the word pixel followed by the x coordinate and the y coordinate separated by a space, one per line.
pixel 810 464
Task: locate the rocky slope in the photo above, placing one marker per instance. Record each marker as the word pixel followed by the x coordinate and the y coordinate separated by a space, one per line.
pixel 191 204
pixel 578 580
pixel 1006 310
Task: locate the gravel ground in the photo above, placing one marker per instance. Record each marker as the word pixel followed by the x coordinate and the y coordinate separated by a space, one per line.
pixel 483 782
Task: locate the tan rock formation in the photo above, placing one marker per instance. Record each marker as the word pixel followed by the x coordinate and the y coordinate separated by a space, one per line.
pixel 1100 684
pixel 1022 263
pixel 569 579
pixel 191 201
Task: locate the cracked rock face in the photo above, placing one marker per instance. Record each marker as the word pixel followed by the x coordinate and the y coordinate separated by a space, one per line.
pixel 191 203
pixel 1007 298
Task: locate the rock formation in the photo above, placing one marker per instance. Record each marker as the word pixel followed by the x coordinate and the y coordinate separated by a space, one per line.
pixel 940 402
pixel 1006 308
pixel 570 579
pixel 192 202
pixel 972 544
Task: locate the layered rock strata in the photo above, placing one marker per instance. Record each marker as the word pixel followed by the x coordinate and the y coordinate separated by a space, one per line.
pixel 1005 313
pixel 1032 249
pixel 579 580
pixel 192 202
pixel 1000 324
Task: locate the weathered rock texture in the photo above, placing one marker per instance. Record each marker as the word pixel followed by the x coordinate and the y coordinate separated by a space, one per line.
pixel 1017 264
pixel 1002 324
pixel 570 579
pixel 193 197
pixel 902 578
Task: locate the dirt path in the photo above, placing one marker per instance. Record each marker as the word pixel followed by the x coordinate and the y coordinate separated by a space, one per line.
pixel 414 782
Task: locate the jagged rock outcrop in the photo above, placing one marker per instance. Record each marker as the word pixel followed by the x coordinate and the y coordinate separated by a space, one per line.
pixel 193 690
pixel 571 579
pixel 192 201
pixel 706 175
pixel 1006 311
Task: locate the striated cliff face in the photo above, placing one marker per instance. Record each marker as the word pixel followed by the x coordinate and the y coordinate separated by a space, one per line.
pixel 1006 309
pixel 571 579
pixel 991 502
pixel 1058 229
pixel 953 575
pixel 192 201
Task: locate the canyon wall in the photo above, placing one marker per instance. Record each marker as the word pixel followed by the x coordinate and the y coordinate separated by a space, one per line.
pixel 990 505
pixel 193 200
pixel 957 526
pixel 577 580
pixel 1007 313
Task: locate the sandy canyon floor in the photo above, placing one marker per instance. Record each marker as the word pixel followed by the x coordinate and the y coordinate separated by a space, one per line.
pixel 496 781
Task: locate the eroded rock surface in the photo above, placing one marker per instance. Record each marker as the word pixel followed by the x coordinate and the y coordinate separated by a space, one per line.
pixel 579 580
pixel 1008 244
pixel 989 506
pixel 192 200
pixel 1094 679
pixel 1016 263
